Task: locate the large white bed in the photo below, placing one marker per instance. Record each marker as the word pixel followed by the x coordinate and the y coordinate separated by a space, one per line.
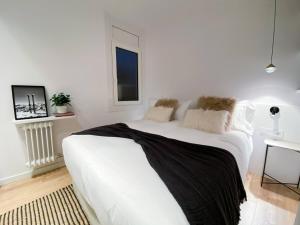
pixel 114 177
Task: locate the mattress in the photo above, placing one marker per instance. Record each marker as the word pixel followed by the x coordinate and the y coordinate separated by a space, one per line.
pixel 116 180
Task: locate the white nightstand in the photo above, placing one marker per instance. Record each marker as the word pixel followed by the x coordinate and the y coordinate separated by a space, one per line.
pixel 290 146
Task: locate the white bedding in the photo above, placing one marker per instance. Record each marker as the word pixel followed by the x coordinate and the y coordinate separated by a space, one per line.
pixel 115 178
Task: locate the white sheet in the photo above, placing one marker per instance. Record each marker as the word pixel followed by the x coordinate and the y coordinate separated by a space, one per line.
pixel 115 178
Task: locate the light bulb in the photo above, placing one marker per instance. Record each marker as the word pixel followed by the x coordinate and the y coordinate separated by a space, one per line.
pixel 270 68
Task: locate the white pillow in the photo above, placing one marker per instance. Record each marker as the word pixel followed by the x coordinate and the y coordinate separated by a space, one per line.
pixel 159 114
pixel 243 117
pixel 206 120
pixel 182 109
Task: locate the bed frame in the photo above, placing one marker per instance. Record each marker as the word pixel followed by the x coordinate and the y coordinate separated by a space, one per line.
pixel 89 212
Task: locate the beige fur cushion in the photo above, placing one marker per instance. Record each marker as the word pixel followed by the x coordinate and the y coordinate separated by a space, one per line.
pixel 206 120
pixel 169 103
pixel 159 114
pixel 218 104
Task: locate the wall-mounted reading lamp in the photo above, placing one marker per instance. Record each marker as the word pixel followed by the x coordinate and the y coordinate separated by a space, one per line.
pixel 275 115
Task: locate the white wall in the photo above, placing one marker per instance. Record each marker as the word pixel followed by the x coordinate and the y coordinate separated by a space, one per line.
pixel 221 48
pixel 61 45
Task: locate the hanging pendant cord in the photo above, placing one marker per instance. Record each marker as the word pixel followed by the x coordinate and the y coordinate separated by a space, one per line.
pixel 274 28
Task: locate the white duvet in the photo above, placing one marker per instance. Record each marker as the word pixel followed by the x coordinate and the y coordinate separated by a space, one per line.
pixel 115 178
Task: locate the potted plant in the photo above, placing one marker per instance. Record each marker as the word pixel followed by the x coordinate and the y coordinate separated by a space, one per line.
pixel 61 101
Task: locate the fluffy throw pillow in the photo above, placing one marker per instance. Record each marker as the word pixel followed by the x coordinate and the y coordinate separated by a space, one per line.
pixel 180 108
pixel 206 120
pixel 159 114
pixel 218 104
pixel 169 103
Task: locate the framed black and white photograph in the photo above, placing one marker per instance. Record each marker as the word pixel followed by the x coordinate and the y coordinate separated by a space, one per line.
pixel 29 102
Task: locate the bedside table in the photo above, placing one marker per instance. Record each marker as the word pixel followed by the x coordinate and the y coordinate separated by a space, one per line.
pixel 290 146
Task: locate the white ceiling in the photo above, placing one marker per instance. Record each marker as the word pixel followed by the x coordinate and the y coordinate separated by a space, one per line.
pixel 145 13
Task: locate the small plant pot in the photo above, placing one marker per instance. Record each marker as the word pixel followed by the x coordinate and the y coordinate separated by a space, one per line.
pixel 61 109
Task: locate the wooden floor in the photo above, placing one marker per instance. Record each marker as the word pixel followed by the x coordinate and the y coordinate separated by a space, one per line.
pixel 21 192
pixel 271 205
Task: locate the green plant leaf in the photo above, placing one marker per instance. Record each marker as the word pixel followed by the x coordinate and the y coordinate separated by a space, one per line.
pixel 60 99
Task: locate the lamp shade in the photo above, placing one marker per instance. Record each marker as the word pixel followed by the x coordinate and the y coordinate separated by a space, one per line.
pixel 270 68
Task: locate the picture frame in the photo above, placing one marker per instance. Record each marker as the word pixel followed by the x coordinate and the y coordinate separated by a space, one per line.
pixel 29 102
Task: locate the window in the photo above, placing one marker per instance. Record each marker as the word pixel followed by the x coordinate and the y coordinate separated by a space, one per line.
pixel 126 72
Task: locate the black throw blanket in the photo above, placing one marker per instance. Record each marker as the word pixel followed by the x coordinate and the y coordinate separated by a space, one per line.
pixel 204 180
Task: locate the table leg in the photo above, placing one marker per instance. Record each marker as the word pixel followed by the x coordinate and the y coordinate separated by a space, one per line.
pixel 263 173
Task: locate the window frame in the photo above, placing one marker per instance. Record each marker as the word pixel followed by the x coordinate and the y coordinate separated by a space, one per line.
pixel 115 77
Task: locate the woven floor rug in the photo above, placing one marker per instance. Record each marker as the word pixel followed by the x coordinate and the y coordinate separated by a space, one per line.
pixel 59 207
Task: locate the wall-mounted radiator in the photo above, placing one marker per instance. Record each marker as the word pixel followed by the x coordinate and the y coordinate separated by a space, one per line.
pixel 41 149
pixel 39 143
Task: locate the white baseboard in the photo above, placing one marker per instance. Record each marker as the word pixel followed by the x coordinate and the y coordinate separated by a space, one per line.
pixel 32 172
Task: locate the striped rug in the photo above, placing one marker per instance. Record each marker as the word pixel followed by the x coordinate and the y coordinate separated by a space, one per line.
pixel 59 207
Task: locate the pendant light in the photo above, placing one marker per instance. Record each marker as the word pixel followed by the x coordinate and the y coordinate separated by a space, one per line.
pixel 271 68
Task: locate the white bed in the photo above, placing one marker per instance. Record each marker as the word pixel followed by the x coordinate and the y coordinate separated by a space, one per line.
pixel 114 177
